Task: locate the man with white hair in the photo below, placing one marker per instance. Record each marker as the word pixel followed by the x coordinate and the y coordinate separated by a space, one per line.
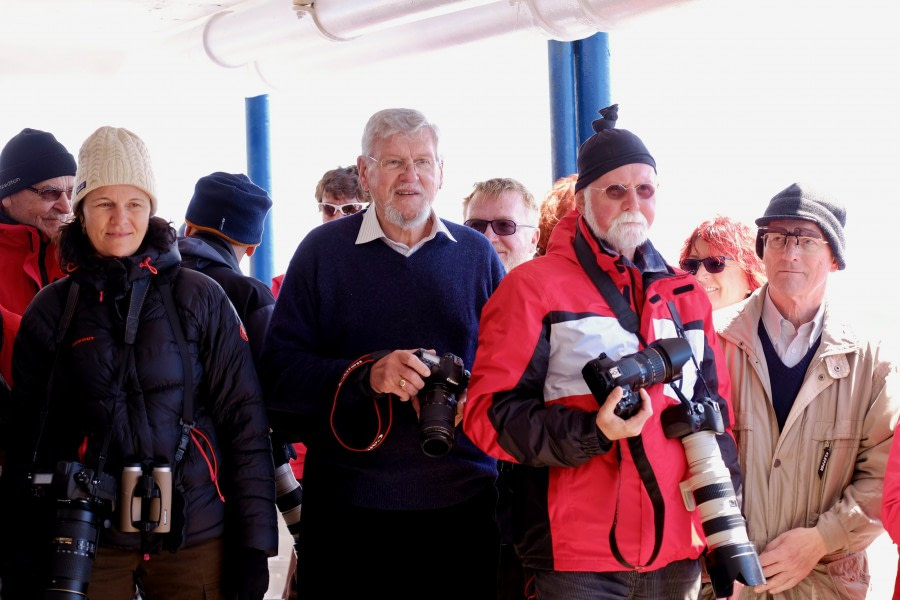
pixel 600 509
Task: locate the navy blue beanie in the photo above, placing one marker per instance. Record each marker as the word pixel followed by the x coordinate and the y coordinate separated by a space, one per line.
pixel 231 206
pixel 31 157
pixel 798 201
pixel 609 148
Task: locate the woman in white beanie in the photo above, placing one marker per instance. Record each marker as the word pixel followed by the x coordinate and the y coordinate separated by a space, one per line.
pixel 135 386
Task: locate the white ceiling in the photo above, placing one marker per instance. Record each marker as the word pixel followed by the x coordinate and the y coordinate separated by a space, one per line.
pixel 45 37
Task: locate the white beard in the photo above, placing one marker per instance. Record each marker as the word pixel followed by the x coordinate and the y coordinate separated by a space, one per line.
pixel 628 231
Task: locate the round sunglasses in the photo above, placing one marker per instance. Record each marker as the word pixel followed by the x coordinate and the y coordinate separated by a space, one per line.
pixel 712 264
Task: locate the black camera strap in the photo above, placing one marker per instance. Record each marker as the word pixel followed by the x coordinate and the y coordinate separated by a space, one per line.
pixel 187 407
pixel 629 321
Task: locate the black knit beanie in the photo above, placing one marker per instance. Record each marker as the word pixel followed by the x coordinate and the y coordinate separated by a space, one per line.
pixel 231 206
pixel 802 202
pixel 30 157
pixel 609 148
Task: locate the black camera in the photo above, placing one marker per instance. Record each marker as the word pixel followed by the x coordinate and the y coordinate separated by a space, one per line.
pixel 288 491
pixel 660 362
pixel 709 490
pixel 84 501
pixel 437 401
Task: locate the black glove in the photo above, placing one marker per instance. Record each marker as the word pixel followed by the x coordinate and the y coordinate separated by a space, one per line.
pixel 253 574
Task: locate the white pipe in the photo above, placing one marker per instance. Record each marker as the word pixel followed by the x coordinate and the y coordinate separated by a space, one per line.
pixel 329 33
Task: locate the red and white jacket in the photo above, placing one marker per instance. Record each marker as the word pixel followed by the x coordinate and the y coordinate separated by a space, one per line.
pixel 529 404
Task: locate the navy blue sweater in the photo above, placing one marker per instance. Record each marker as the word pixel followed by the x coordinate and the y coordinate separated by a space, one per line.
pixel 340 301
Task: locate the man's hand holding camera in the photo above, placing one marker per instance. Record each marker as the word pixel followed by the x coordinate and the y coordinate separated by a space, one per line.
pixel 400 373
pixel 615 427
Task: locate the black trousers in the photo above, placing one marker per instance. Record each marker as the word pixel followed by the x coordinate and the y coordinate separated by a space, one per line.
pixel 446 553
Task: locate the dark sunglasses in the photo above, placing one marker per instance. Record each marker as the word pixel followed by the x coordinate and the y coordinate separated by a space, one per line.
pixel 350 208
pixel 500 226
pixel 712 264
pixel 50 194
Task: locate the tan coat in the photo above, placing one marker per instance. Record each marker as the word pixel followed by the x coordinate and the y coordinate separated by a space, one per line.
pixel 844 410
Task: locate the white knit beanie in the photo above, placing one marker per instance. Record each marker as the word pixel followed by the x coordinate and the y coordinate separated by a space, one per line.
pixel 114 156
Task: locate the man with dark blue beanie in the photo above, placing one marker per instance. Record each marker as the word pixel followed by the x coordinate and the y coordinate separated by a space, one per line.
pixel 814 411
pixel 224 223
pixel 389 501
pixel 36 178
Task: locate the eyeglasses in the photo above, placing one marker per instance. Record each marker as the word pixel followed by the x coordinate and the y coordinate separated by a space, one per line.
pixel 423 166
pixel 350 208
pixel 777 239
pixel 618 191
pixel 500 226
pixel 50 193
pixel 712 264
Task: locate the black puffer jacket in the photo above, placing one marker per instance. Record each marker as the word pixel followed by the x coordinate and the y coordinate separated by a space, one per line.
pixel 231 434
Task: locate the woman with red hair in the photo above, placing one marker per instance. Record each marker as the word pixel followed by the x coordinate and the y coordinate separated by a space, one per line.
pixel 721 254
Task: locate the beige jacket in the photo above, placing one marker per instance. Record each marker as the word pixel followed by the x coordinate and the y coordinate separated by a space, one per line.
pixel 826 468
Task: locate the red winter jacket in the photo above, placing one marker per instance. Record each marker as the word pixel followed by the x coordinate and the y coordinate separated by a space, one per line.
pixel 28 262
pixel 529 404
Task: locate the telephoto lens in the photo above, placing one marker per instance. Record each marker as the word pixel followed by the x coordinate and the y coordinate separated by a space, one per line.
pixel 74 546
pixel 708 488
pixel 288 498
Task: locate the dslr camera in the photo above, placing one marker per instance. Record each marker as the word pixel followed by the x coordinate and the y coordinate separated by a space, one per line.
pixel 660 362
pixel 84 501
pixel 437 401
pixel 288 491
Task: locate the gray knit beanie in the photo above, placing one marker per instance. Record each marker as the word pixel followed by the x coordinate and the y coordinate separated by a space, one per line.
pixel 114 156
pixel 799 201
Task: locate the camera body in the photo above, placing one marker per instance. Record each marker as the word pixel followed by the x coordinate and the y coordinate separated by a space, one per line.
pixel 660 362
pixel 83 502
pixel 146 498
pixel 437 401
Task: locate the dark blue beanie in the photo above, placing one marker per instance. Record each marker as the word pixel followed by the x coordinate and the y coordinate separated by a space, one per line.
pixel 609 148
pixel 231 206
pixel 31 157
pixel 799 201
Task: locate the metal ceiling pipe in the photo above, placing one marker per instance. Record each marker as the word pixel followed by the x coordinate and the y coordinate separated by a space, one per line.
pixel 368 30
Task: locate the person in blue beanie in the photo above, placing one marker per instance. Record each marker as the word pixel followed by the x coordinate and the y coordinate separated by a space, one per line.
pixel 224 223
pixel 383 511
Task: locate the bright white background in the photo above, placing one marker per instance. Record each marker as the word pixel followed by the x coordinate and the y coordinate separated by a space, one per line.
pixel 736 100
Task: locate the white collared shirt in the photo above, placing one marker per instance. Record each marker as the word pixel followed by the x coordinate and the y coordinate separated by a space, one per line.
pixel 371 230
pixel 791 343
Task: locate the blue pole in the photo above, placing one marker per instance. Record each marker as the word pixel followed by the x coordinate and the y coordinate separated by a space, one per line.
pixel 564 146
pixel 259 169
pixel 591 81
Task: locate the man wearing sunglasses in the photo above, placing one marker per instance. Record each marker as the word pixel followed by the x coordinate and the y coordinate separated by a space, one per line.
pixel 36 178
pixel 815 415
pixel 506 213
pixel 592 522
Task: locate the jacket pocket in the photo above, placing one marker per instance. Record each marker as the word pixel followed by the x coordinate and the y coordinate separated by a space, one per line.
pixel 836 446
pixel 850 576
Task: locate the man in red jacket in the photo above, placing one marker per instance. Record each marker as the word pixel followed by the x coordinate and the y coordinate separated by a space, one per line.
pixel 36 178
pixel 599 508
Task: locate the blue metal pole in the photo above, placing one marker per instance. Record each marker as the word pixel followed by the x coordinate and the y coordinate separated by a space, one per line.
pixel 591 81
pixel 259 169
pixel 563 141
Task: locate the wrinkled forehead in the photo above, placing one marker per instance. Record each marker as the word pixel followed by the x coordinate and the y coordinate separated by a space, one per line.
pixel 794 226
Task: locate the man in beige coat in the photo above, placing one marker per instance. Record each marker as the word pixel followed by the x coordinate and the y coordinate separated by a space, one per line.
pixel 814 413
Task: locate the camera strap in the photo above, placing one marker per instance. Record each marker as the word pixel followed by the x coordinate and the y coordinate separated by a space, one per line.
pixel 187 406
pixel 384 427
pixel 629 321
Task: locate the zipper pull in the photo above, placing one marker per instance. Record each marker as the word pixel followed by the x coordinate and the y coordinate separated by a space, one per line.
pixel 825 456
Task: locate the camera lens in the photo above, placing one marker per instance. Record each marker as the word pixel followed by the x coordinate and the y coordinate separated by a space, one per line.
pixel 74 547
pixel 436 422
pixel 289 498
